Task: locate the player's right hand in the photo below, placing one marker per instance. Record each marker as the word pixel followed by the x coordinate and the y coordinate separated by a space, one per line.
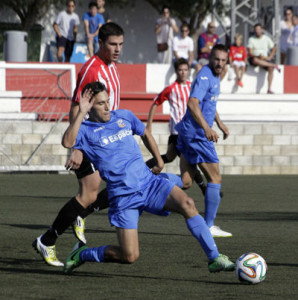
pixel 75 160
pixel 211 135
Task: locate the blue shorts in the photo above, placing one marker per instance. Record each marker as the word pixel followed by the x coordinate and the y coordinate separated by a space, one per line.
pixel 197 151
pixel 151 199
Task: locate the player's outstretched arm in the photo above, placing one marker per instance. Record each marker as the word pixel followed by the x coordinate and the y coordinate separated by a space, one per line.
pixel 70 135
pixel 222 126
pixel 151 116
pixel 196 113
pixel 151 145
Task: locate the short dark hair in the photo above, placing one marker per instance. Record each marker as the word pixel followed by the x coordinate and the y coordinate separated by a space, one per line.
pixel 109 29
pixel 184 24
pixel 165 7
pixel 180 61
pixel 92 4
pixel 68 1
pixel 96 87
pixel 257 25
pixel 218 47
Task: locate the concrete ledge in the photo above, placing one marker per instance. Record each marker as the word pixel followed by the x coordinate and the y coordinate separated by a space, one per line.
pixel 17 116
pixel 35 168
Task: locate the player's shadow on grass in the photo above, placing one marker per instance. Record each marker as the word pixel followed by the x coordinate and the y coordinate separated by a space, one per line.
pixel 261 216
pixel 38 197
pixel 282 265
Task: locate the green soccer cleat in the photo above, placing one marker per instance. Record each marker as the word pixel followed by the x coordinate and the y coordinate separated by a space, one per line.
pixel 48 253
pixel 78 228
pixel 221 263
pixel 73 260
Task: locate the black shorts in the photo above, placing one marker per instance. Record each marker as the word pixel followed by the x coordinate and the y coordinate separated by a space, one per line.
pixel 86 168
pixel 66 44
pixel 250 59
pixel 173 139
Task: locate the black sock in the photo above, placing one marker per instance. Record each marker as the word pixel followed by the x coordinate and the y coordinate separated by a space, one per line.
pixel 65 218
pixel 200 181
pixel 152 161
pixel 102 202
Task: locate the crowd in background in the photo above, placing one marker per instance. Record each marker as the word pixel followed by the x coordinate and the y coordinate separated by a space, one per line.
pixel 172 44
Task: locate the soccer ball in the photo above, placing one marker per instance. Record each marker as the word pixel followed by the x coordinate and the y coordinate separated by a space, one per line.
pixel 251 268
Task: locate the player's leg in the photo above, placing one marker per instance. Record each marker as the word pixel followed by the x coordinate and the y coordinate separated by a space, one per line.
pixel 270 78
pixel 126 222
pixel 187 171
pixel 169 156
pixel 179 202
pixel 68 50
pixel 212 197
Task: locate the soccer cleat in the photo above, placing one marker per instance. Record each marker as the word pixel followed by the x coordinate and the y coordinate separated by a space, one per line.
pixel 48 253
pixel 78 228
pixel 240 83
pixel 221 263
pixel 73 260
pixel 217 232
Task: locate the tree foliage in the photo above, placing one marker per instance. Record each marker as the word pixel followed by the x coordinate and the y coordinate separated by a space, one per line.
pixel 29 11
pixel 191 11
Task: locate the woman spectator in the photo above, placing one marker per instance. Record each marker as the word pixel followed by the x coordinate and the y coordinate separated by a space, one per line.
pixel 286 27
pixel 165 28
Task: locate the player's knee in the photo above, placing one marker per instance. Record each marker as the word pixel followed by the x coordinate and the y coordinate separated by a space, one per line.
pixel 216 178
pixel 187 184
pixel 188 206
pixel 130 258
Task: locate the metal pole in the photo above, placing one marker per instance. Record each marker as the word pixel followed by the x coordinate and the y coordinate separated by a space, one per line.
pixel 233 20
pixel 277 30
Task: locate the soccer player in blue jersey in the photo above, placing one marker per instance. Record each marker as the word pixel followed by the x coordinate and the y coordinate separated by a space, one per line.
pixel 106 138
pixel 196 137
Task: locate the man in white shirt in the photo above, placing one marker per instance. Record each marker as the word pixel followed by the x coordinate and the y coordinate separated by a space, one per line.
pixel 261 50
pixel 183 46
pixel 66 28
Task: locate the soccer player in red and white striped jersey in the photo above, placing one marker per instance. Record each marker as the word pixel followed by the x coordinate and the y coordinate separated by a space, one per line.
pixel 177 94
pixel 100 67
pixel 95 69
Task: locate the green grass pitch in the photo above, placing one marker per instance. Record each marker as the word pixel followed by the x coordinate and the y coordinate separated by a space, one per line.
pixel 260 211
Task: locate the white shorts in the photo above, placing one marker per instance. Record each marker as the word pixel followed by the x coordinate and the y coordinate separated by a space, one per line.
pixel 239 63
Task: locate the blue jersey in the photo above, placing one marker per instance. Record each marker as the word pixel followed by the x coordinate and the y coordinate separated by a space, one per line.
pixel 115 153
pixel 94 22
pixel 206 89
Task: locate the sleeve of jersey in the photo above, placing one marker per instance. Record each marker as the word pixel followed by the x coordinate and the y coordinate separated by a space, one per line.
pixel 201 42
pixel 84 79
pixel 164 95
pixel 200 87
pixel 137 126
pixel 79 141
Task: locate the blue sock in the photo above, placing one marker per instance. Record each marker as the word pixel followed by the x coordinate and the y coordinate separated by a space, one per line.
pixel 93 254
pixel 212 200
pixel 197 226
pixel 173 178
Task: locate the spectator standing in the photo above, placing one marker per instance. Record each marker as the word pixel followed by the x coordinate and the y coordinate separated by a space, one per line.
pixel 238 58
pixel 286 27
pixel 206 42
pixel 261 50
pixel 66 28
pixel 294 36
pixel 183 45
pixel 165 28
pixel 103 11
pixel 92 22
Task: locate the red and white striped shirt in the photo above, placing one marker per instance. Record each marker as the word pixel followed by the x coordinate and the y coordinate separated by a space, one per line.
pixel 96 70
pixel 177 94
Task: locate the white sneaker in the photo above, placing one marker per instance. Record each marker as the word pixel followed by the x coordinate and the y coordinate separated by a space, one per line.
pixel 217 232
pixel 78 227
pixel 48 253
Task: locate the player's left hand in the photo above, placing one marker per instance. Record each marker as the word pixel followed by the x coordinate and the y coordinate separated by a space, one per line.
pixel 225 131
